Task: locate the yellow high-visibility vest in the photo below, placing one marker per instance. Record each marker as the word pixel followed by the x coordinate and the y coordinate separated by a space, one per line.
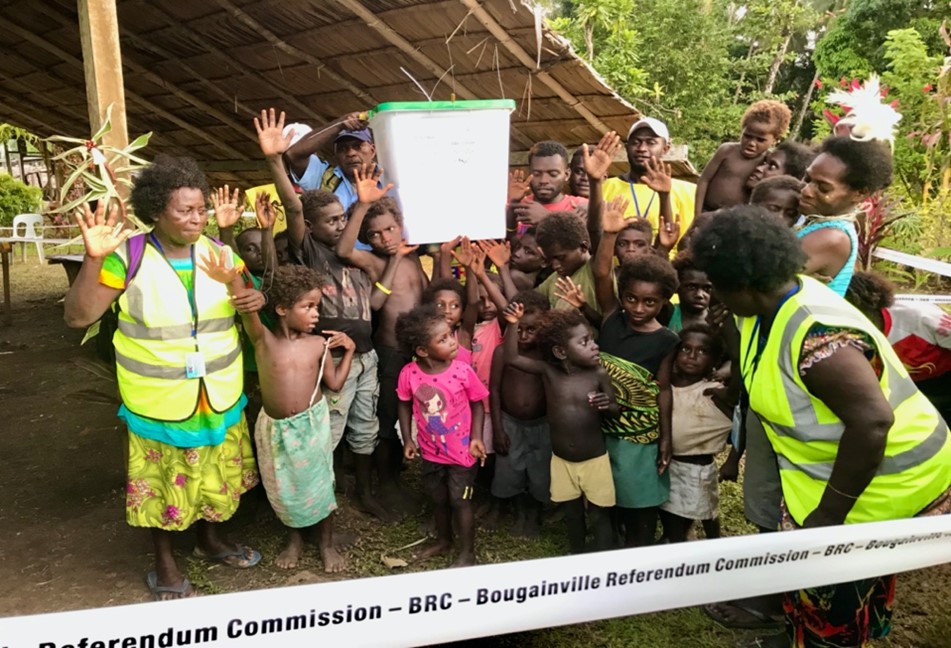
pixel 157 330
pixel 805 433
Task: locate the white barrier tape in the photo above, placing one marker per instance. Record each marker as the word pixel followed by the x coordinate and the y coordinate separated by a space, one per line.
pixel 452 604
pixel 926 299
pixel 931 265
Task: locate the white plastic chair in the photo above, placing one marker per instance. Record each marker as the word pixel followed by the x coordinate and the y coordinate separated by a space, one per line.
pixel 30 223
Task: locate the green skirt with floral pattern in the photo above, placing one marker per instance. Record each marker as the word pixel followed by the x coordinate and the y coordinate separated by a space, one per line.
pixel 170 488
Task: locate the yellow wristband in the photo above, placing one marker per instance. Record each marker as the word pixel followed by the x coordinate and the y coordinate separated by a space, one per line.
pixel 383 289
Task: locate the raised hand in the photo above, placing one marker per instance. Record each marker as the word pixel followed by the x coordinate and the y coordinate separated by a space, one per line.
pixel 612 217
pixel 531 213
pixel 669 233
pixel 513 312
pixel 518 185
pixel 465 253
pixel 271 133
pixel 597 161
pixel 657 176
pixel 227 208
pixel 101 234
pixel 570 292
pixel 367 181
pixel 447 247
pixel 406 249
pixel 354 121
pixel 498 253
pixel 340 340
pixel 220 267
pixel 478 265
pixel 264 211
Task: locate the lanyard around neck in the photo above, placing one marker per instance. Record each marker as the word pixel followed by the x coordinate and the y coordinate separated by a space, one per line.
pixel 760 336
pixel 191 293
pixel 637 207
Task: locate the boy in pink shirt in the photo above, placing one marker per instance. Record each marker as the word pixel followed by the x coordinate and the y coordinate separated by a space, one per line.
pixel 445 397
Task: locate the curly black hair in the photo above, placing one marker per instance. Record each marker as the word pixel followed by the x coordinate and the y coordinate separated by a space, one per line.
pixel 445 283
pixel 640 225
pixel 414 328
pixel 554 330
pixel 870 292
pixel 868 165
pixel 382 206
pixel 548 148
pixel 532 301
pixel 774 183
pixel 798 157
pixel 564 229
pixel 746 247
pixel 649 268
pixel 291 282
pixel 156 183
pixel 313 200
pixel 716 341
pixel 684 262
pixel 771 112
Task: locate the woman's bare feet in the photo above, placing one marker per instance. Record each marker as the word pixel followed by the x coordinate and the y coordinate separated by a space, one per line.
pixel 333 561
pixel 292 553
pixel 438 548
pixel 465 559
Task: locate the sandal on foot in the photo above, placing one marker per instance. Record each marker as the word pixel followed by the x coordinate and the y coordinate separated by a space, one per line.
pixel 768 641
pixel 731 614
pixel 240 557
pixel 182 590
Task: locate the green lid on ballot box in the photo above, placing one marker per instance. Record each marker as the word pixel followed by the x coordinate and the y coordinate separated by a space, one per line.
pixel 475 104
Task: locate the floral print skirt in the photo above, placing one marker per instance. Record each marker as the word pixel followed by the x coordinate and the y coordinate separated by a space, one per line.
pixel 170 488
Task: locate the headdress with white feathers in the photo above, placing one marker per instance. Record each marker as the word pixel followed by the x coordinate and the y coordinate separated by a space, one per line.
pixel 868 117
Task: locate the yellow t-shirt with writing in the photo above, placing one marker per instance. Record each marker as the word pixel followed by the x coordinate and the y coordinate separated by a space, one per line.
pixel 682 200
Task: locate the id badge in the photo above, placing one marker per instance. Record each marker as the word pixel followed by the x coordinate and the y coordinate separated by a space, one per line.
pixel 195 365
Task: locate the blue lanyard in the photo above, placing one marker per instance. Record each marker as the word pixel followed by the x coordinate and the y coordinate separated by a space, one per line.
pixel 760 337
pixel 637 207
pixel 191 293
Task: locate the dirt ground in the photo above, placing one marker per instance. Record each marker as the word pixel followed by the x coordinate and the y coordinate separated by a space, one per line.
pixel 65 544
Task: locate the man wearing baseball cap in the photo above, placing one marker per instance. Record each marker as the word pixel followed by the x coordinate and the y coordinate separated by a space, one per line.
pixel 353 147
pixel 648 185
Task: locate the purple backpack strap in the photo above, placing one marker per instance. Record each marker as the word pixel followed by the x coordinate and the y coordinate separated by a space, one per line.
pixel 136 252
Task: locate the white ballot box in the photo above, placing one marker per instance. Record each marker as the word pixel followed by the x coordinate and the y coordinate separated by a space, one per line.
pixel 449 162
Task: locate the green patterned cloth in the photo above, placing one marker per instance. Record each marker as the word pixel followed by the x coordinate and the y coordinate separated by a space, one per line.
pixel 636 392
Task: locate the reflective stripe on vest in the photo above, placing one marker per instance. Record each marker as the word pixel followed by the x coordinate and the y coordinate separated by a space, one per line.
pixel 805 433
pixel 154 337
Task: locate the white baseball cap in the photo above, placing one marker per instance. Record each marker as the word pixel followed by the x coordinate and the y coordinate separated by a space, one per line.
pixel 298 130
pixel 656 125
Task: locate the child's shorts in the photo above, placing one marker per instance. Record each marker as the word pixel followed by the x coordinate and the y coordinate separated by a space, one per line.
pixel 694 492
pixel 440 478
pixel 592 478
pixel 527 466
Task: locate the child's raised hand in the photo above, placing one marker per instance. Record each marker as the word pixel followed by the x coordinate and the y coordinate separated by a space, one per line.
pixel 569 291
pixel 248 300
pixel 340 340
pixel 227 207
pixel 465 253
pixel 599 401
pixel 220 267
pixel 410 451
pixel 669 233
pixel 271 133
pixel 477 450
pixel 405 249
pixel 597 161
pixel 612 218
pixel 101 234
pixel 518 185
pixel 658 175
pixel 498 253
pixel 513 312
pixel 264 211
pixel 367 181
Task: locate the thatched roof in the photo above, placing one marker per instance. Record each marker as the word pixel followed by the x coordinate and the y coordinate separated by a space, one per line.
pixel 197 71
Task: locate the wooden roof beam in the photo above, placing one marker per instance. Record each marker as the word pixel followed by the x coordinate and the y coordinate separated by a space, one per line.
pixel 391 36
pixel 475 7
pixel 287 48
pixel 8 112
pixel 223 59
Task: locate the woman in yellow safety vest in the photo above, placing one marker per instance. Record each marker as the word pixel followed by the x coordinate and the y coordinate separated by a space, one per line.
pixel 178 365
pixel 855 440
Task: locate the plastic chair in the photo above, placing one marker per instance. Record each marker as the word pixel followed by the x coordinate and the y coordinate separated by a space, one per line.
pixel 30 223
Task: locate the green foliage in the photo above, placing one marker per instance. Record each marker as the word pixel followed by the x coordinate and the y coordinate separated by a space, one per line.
pixel 17 198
